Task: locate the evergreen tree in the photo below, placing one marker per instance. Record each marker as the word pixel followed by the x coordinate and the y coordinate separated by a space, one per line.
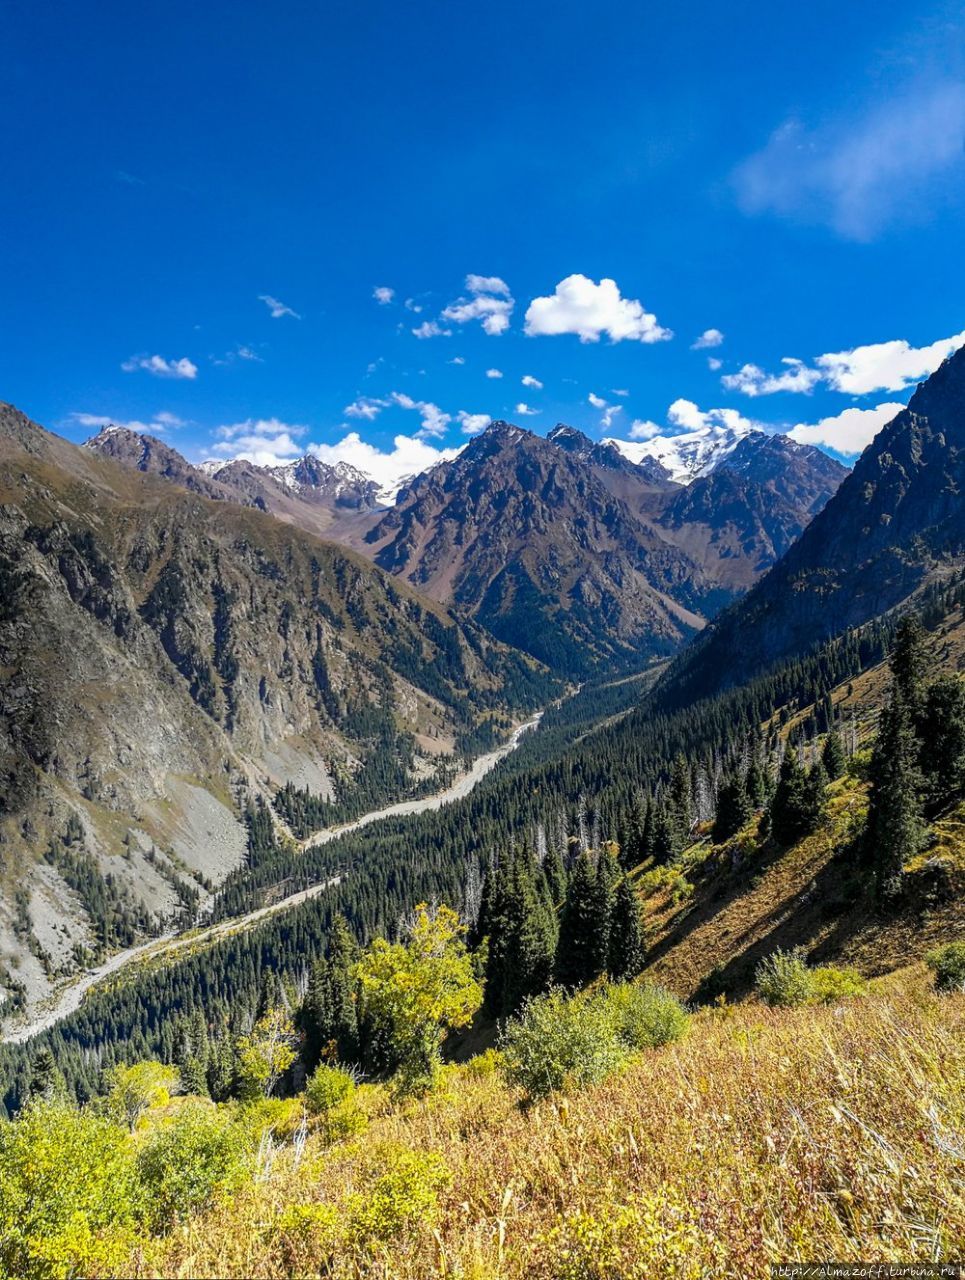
pixel 734 807
pixel 798 802
pixel 627 940
pixel 577 951
pixel 605 880
pixel 895 831
pixel 554 874
pixel 46 1082
pixel 832 755
pixel 522 940
pixel 909 663
pixel 680 802
pixel 328 1016
pixel 942 753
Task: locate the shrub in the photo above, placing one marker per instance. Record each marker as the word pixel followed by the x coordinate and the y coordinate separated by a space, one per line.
pixel 830 984
pixel 328 1087
pixel 646 1015
pixel 557 1042
pixel 405 1194
pixel 69 1198
pixel 948 965
pixel 784 979
pixel 202 1155
pixel 484 1064
pixel 307 1236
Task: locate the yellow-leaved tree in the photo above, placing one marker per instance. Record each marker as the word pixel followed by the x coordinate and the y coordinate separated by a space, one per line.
pixel 417 990
pixel 266 1054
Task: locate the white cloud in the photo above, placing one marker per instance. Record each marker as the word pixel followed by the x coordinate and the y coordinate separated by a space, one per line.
pixel 890 164
pixel 410 304
pixel 585 308
pixel 529 381
pixel 457 360
pixel 640 430
pixel 277 309
pixel 848 432
pixel 688 417
pixel 388 468
pixel 367 407
pixel 525 411
pixel 494 373
pixel 431 329
pixel 161 368
pixel 434 421
pixel 158 424
pixel 473 423
pixel 709 338
pixel 885 366
pixel 248 353
pixel 596 401
pixel 383 295
pixel 487 284
pixel 714 364
pixel 620 391
pixel 490 302
pixel 267 442
pixel 753 381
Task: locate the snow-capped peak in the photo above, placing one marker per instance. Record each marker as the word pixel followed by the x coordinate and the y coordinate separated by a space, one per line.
pixel 690 454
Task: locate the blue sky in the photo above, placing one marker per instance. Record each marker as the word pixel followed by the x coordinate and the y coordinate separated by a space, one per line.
pixel 201 200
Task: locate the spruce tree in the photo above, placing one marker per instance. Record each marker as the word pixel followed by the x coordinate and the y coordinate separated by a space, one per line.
pixel 798 801
pixel 895 831
pixel 734 807
pixel 942 753
pixel 576 949
pixel 832 755
pixel 627 941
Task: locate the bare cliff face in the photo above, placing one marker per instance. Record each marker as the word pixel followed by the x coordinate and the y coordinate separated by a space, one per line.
pixel 167 656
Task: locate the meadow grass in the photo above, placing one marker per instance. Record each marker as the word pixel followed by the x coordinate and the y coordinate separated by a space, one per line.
pixel 764 1135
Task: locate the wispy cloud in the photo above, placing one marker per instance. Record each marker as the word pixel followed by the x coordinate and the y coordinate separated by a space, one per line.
pixel 529 381
pixel 156 425
pixel 858 175
pixel 161 368
pixel 610 411
pixel 383 295
pixel 431 329
pixel 277 308
pixel 490 302
pixel 434 421
pixel 753 381
pixel 709 338
pixel 876 366
pixel 526 411
pixel 580 306
pixel 264 441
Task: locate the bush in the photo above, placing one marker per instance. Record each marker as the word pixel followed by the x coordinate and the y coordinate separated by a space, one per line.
pixel 948 965
pixel 783 979
pixel 202 1155
pixel 69 1198
pixel 558 1042
pixel 830 984
pixel 646 1015
pixel 407 1193
pixel 328 1087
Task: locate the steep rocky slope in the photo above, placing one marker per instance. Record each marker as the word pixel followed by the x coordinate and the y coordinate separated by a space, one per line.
pixel 896 520
pixel 166 656
pixel 528 539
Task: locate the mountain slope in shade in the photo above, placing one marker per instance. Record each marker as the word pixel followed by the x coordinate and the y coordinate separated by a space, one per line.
pixel 895 520
pixel 528 539
pixel 166 656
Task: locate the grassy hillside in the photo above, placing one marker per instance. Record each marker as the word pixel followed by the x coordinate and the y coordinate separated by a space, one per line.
pixel 762 1136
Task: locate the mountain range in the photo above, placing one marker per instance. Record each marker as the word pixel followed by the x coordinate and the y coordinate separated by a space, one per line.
pixel 562 547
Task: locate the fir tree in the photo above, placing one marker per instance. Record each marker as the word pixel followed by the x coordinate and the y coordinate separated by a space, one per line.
pixel 832 755
pixel 734 808
pixel 942 753
pixel 895 831
pixel 577 950
pixel 627 942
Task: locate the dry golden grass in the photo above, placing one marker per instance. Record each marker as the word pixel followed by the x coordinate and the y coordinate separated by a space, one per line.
pixel 763 1136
